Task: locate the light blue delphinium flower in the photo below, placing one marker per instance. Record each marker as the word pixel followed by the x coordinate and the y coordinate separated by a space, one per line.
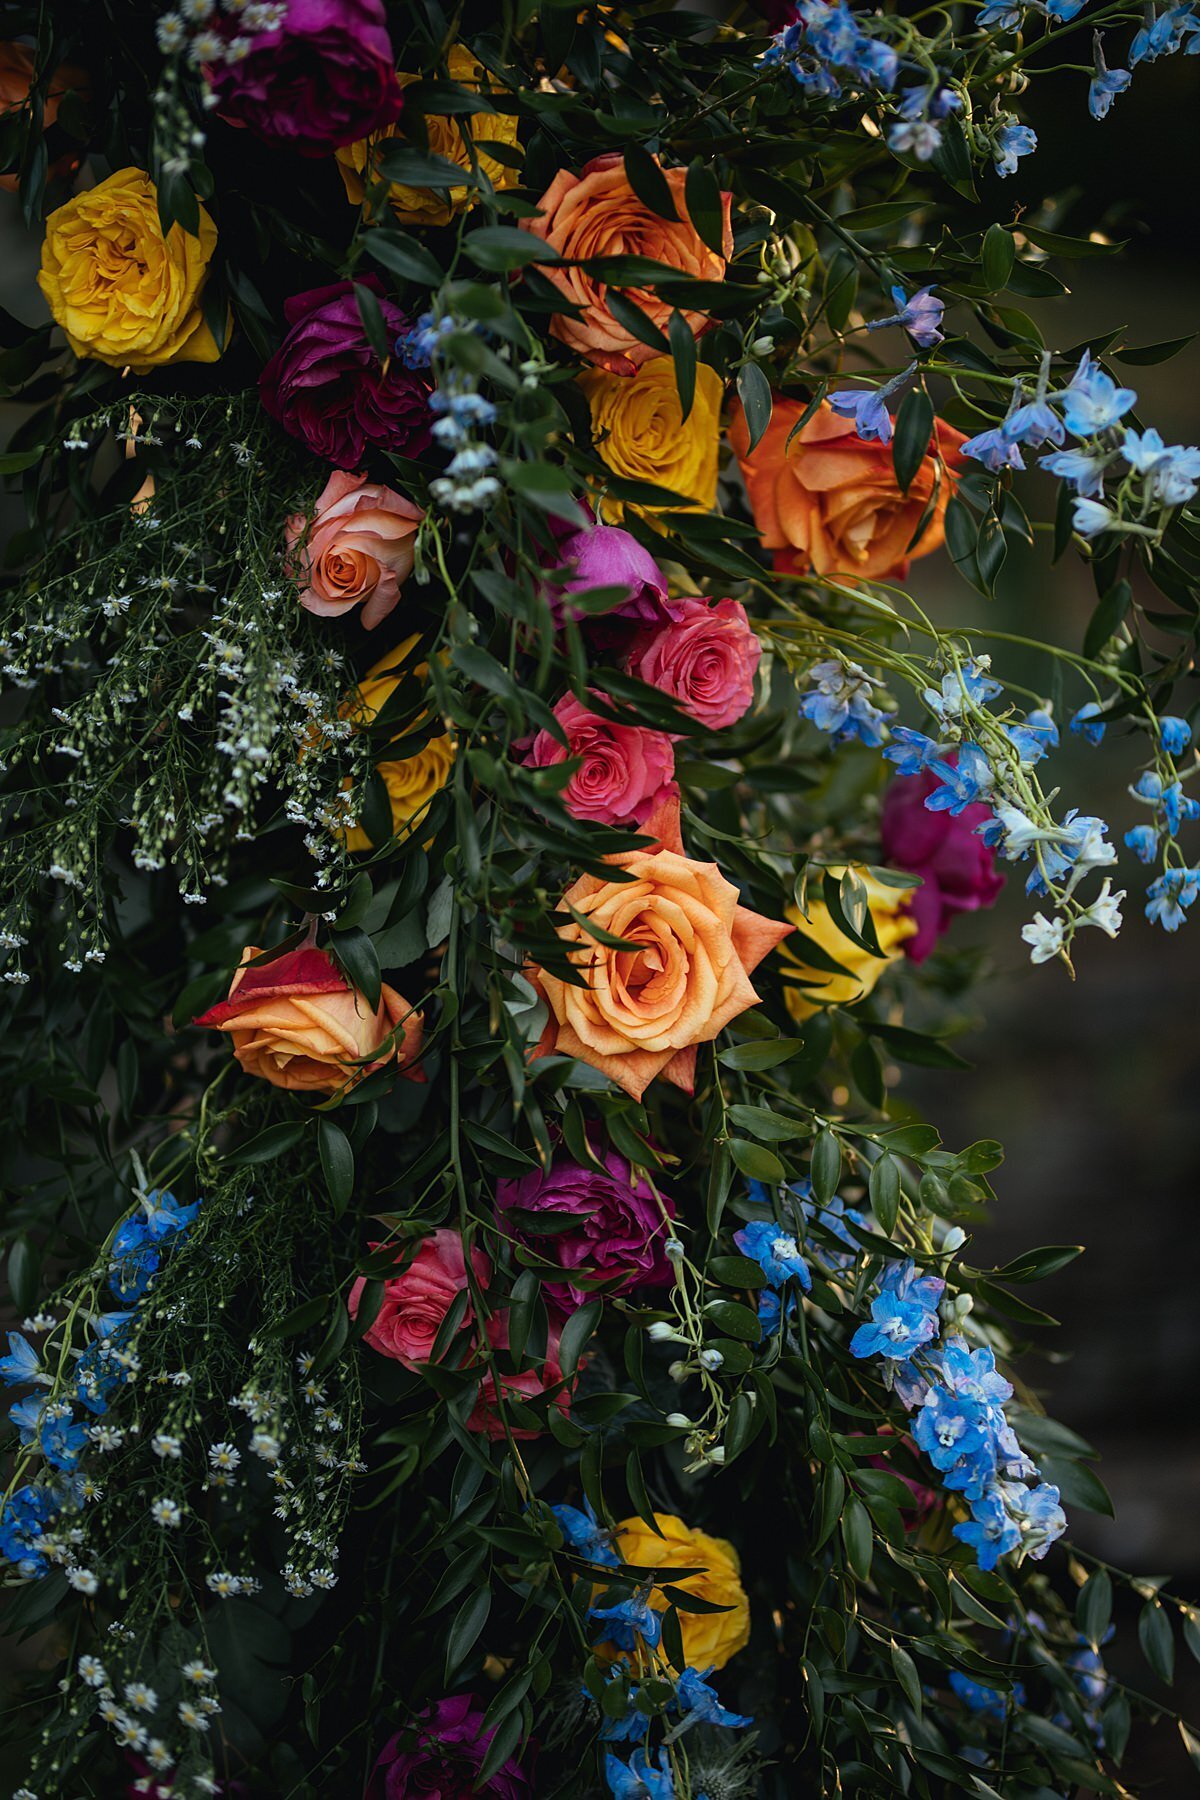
pixel 1143 841
pixel 1105 84
pixel 1012 142
pixel 964 783
pixel 1083 472
pixel 868 408
pixel 700 1705
pixel 583 1533
pixel 839 702
pixel 1034 737
pixel 912 751
pixel 994 449
pixel 1163 34
pixel 630 1618
pixel 1174 734
pixel 920 315
pixel 1039 1517
pixel 22 1364
pixel 1087 721
pixel 1092 401
pixel 637 1779
pixel 1000 15
pixel 897 1328
pixel 989 1531
pixel 775 1251
pixel 948 1428
pixel 968 685
pixel 1168 898
pixel 1091 517
pixel 988 1702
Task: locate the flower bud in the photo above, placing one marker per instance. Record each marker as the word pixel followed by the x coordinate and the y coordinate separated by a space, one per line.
pixel 678 1372
pixel 762 346
pixel 660 1332
pixel 954 1240
pixel 679 1419
pixel 711 1360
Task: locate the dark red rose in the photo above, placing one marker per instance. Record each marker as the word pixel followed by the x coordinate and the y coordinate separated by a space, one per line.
pixel 957 869
pixel 326 76
pixel 327 387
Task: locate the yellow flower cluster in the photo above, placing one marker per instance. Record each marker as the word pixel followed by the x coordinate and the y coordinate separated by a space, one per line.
pixel 411 781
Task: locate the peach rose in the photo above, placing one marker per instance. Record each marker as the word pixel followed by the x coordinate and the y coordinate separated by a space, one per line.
pixel 358 549
pixel 598 214
pixel 17 72
pixel 705 658
pixel 624 773
pixel 415 1303
pixel 641 1012
pixel 828 501
pixel 299 1024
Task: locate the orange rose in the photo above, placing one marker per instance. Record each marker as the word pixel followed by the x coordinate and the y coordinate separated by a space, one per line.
pixel 298 1023
pixel 16 79
pixel 643 1010
pixel 598 214
pixel 829 502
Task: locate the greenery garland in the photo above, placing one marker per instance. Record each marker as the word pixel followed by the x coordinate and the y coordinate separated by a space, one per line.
pixel 467 649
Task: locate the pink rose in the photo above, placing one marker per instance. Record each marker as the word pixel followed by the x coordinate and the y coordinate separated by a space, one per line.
pixel 358 551
pixel 519 1388
pixel 416 1302
pixel 625 773
pixel 705 658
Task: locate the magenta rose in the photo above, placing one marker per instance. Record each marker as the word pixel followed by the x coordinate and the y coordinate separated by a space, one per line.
pixel 326 386
pixel 705 657
pixel 958 872
pixel 415 1303
pixel 326 76
pixel 440 1756
pixel 605 556
pixel 625 771
pixel 618 1234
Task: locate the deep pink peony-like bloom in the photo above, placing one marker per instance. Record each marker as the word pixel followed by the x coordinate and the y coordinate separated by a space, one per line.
pixel 416 1302
pixel 705 656
pixel 606 556
pixel 440 1756
pixel 957 870
pixel 325 77
pixel 627 770
pixel 519 1385
pixel 326 387
pixel 619 1231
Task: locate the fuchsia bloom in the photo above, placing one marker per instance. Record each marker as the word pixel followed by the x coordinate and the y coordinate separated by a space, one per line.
pixel 619 1231
pixel 606 556
pixel 626 770
pixel 416 1302
pixel 705 656
pixel 439 1758
pixel 325 385
pixel 326 76
pixel 957 870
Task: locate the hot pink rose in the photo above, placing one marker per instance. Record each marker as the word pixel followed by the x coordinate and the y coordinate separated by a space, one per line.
pixel 416 1302
pixel 705 658
pixel 958 872
pixel 358 550
pixel 626 770
pixel 518 1387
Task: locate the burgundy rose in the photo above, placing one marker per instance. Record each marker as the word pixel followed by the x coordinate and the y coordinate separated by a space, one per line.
pixel 326 386
pixel 957 869
pixel 440 1756
pixel 326 76
pixel 620 1230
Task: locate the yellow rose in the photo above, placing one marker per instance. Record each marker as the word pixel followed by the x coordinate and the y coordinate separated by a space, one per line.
pixel 709 1639
pixel 641 433
pixel 121 291
pixel 411 781
pixel 892 925
pixel 422 206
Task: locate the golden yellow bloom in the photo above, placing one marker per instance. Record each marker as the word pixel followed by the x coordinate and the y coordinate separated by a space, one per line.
pixel 411 781
pixel 641 433
pixel 421 206
pixel 121 291
pixel 709 1639
pixel 892 926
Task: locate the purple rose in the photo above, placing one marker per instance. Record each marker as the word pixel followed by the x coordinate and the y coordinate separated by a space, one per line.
pixel 326 386
pixel 956 867
pixel 439 1758
pixel 606 556
pixel 620 1232
pixel 326 76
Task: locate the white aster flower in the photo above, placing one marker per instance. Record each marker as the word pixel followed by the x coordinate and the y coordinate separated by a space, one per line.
pixel 165 1512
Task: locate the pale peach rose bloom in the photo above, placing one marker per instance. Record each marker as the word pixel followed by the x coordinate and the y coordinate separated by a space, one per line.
pixel 16 78
pixel 297 1023
pixel 598 214
pixel 829 501
pixel 358 549
pixel 643 1011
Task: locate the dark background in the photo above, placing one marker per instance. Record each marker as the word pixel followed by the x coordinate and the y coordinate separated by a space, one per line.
pixel 1091 1086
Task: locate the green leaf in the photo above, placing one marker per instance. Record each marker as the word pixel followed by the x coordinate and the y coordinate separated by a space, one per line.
pixel 884 1189
pixel 272 1142
pixel 404 256
pixel 914 427
pixel 1035 1265
pixel 635 1481
pixel 999 254
pixel 735 1272
pixel 469 1621
pixel 398 161
pixel 301 1318
pixel 371 314
pixel 24 1267
pixel 355 955
pixel 826 1168
pixel 683 353
pixel 858 1537
pixel 14 461
pixel 1156 1640
pixel 763 1053
pixel 1108 617
pixel 905 1670
pixel 754 1161
pixel 636 322
pixel 649 183
pixel 1058 244
pixel 575 1334
pixel 1079 1485
pixel 1093 1608
pixel 754 392
pixel 501 248
pixel 337 1161
pixel 734 1319
pixel 767 1126
pixel 705 205
pixel 1142 354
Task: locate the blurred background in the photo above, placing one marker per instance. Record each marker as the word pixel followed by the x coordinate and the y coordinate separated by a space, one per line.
pixel 1094 1087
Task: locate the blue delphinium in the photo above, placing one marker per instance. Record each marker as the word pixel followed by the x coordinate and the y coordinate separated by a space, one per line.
pixel 1012 141
pixel 1164 33
pixel 22 1364
pixel 583 1533
pixel 826 45
pixel 1079 469
pixel 1087 722
pixel 988 1702
pixel 627 1620
pixel 903 1315
pixel 1174 734
pixel 775 1251
pixel 638 1779
pixel 1105 84
pixel 700 1705
pixel 839 702
pixel 920 315
pixel 917 130
pixel 1092 401
pixel 964 782
pixel 868 407
pixel 27 1516
pixel 1168 898
pixel 912 751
